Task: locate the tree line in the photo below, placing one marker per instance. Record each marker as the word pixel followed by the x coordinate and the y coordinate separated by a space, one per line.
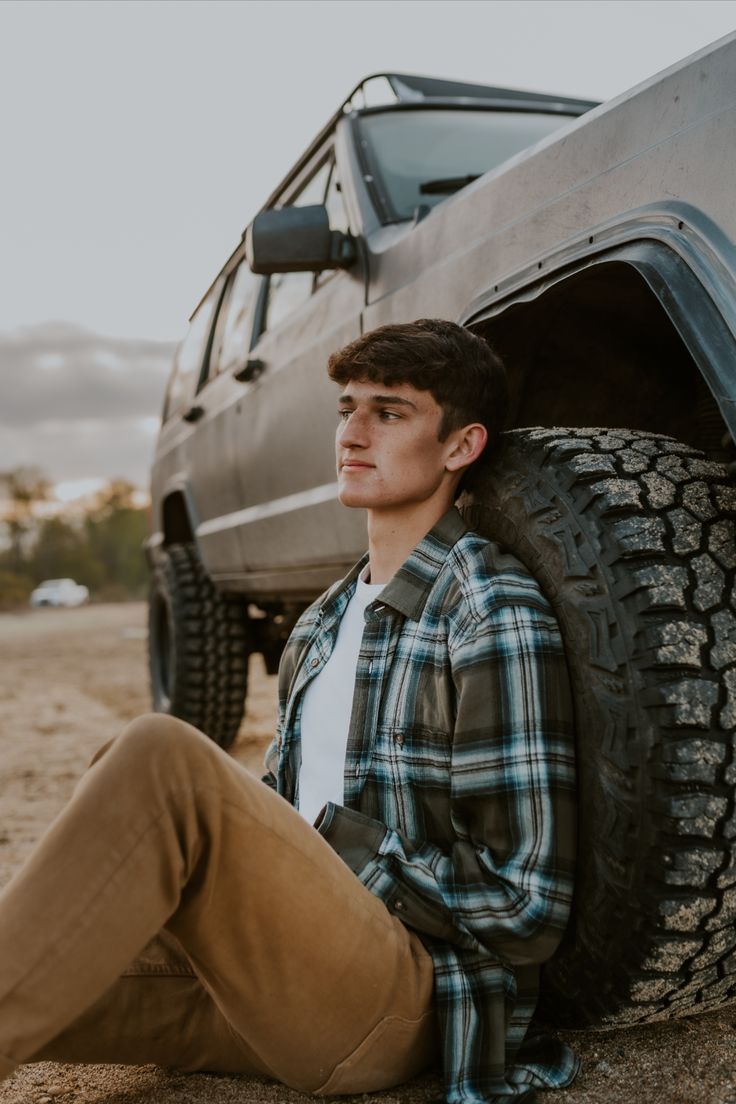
pixel 101 547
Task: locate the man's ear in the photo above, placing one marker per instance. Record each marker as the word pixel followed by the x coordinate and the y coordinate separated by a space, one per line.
pixel 466 446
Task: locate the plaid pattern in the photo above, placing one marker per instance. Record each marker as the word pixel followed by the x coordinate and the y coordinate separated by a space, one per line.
pixel 459 806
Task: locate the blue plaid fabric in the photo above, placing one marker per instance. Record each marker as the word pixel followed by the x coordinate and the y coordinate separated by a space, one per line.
pixel 459 804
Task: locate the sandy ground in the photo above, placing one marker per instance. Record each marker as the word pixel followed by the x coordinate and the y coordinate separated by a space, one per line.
pixel 68 680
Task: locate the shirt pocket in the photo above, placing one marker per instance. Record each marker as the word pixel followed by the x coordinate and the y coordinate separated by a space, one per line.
pixel 417 761
pixel 421 698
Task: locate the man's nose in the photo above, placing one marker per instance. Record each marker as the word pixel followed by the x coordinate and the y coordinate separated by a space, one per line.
pixel 352 431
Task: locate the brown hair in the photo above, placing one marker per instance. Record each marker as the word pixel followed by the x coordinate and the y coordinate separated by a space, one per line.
pixel 461 371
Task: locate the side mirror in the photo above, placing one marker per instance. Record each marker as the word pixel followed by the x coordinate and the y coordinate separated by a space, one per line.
pixel 296 239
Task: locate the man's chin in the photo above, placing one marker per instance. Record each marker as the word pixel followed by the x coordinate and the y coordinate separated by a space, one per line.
pixel 347 497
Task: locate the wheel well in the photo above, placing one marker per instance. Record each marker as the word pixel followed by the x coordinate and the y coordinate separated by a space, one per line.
pixel 598 349
pixel 176 525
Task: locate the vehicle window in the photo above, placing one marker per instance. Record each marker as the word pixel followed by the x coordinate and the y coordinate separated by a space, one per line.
pixel 288 290
pixel 422 157
pixel 189 356
pixel 231 340
pixel 210 368
pixel 314 190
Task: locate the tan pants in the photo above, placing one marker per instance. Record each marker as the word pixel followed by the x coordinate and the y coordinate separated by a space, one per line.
pixel 270 957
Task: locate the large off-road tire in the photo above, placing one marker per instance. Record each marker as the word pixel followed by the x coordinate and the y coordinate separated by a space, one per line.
pixel 197 646
pixel 632 537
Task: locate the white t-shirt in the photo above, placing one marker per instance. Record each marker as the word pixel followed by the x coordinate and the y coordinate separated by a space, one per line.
pixel 326 709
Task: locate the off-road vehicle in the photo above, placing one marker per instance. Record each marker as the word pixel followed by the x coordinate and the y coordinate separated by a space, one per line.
pixel 593 247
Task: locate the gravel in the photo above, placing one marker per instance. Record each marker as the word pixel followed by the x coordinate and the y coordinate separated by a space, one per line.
pixel 68 680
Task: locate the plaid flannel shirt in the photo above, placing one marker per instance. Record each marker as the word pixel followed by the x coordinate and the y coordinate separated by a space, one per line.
pixel 459 802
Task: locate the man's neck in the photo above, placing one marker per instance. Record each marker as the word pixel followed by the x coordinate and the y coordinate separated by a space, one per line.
pixel 393 535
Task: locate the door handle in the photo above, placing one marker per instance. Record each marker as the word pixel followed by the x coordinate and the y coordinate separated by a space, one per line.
pixel 193 414
pixel 251 370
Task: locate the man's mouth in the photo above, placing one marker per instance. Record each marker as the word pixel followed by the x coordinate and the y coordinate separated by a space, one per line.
pixel 354 464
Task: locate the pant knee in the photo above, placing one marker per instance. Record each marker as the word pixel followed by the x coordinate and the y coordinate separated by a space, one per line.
pixel 160 728
pixel 151 738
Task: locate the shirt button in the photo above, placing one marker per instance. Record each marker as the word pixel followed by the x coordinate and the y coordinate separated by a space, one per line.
pixel 399 738
pixel 399 906
pixel 314 663
pixel 357 772
pixel 370 666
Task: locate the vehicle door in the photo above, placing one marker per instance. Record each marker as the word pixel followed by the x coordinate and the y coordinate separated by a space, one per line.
pixel 285 436
pixel 212 460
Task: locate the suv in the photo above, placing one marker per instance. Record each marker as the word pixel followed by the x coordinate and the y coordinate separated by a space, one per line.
pixel 593 246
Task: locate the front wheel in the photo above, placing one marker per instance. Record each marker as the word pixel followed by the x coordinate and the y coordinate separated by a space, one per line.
pixel 632 538
pixel 198 646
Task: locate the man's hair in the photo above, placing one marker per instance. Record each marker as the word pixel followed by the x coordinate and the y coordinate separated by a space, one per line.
pixel 461 371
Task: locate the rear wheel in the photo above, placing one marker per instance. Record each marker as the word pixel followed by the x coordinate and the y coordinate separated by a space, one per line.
pixel 631 535
pixel 198 646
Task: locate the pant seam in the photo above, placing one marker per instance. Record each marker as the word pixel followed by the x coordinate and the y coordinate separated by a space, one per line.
pixel 243 1046
pixel 390 1018
pixel 159 971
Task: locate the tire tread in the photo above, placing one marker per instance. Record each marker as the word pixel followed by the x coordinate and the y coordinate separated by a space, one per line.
pixel 631 534
pixel 209 673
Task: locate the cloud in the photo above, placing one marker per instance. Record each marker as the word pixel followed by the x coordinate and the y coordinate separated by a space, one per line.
pixel 79 405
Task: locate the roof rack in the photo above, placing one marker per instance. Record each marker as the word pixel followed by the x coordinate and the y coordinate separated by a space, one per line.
pixel 413 88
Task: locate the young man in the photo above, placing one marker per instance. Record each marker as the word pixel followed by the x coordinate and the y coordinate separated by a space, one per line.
pixel 425 730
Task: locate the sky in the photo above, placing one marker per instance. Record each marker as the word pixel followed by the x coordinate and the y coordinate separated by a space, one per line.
pixel 139 137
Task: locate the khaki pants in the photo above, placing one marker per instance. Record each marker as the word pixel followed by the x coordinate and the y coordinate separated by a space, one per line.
pixel 180 912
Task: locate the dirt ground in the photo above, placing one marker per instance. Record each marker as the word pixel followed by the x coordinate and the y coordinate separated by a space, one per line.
pixel 68 680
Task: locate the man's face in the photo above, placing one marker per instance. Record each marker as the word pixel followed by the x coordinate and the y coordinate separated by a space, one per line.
pixel 387 449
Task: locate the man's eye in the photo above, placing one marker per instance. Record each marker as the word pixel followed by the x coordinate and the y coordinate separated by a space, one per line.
pixel 343 415
pixel 389 415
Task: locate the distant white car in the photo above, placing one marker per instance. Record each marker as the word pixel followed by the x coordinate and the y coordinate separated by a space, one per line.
pixel 59 592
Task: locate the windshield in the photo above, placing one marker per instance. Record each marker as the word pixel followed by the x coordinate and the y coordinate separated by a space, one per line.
pixel 416 158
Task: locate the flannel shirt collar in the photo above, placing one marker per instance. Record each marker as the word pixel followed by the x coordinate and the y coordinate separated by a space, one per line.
pixel 408 590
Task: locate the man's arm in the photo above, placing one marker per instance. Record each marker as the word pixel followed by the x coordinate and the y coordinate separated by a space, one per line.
pixel 506 881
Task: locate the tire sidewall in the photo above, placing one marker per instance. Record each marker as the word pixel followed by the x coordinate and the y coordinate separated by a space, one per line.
pixel 633 852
